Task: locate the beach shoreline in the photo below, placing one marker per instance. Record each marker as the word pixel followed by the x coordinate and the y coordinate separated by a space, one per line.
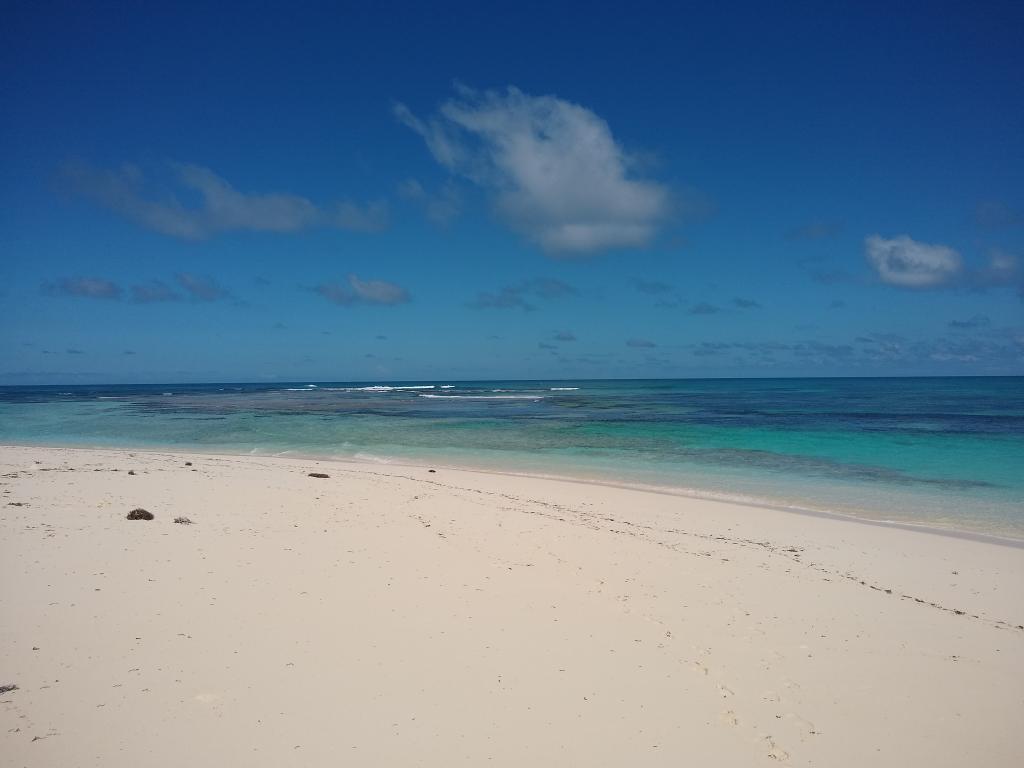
pixel 939 453
pixel 390 614
pixel 696 494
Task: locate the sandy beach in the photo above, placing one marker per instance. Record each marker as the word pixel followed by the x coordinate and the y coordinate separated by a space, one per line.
pixel 390 615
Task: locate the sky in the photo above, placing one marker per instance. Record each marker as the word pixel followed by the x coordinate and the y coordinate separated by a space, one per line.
pixel 257 191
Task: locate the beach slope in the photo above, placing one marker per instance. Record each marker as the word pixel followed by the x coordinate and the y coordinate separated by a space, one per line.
pixel 389 615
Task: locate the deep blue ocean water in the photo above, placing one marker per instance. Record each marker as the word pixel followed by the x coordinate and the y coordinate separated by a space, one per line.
pixel 948 452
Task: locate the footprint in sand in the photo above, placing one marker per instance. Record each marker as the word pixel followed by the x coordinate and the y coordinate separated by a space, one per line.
pixel 804 725
pixel 729 717
pixel 775 752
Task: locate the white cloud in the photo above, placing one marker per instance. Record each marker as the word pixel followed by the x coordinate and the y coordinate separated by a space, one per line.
pixel 1002 269
pixel 555 171
pixel 84 287
pixel 378 291
pixel 222 208
pixel 201 288
pixel 522 295
pixel 909 264
pixel 363 292
pixel 441 208
pixel 641 343
pixel 154 292
pixel 373 217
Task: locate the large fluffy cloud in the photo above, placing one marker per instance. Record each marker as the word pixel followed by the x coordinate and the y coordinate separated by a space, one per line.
pixel 221 207
pixel 555 171
pixel 909 264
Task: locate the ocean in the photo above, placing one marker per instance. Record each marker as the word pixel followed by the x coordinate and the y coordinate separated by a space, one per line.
pixel 942 452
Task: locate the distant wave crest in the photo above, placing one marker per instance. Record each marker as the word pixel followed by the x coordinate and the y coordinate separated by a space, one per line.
pixel 371 388
pixel 387 388
pixel 485 397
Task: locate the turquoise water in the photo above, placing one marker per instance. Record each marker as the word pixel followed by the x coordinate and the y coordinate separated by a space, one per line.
pixel 946 452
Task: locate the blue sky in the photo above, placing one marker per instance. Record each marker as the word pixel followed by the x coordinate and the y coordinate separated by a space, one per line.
pixel 411 191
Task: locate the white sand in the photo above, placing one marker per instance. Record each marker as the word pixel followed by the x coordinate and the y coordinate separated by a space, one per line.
pixel 387 616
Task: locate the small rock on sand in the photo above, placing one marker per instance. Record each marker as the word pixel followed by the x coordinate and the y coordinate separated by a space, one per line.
pixel 140 514
pixel 318 474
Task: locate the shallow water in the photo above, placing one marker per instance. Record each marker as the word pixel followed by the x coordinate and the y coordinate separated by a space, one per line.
pixel 940 451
